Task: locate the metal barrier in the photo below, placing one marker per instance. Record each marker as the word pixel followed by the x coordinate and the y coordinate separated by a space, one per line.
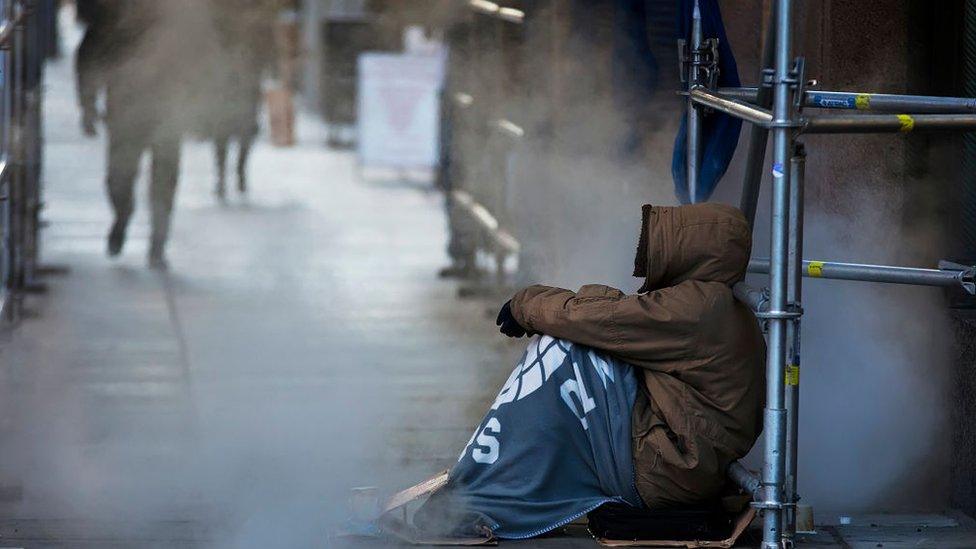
pixel 485 51
pixel 24 39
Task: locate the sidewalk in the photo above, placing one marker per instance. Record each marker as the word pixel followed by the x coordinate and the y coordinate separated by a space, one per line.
pixel 300 345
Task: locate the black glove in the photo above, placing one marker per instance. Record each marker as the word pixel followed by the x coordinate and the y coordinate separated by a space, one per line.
pixel 508 325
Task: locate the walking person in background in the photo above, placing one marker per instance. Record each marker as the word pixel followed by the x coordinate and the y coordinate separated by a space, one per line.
pixel 142 54
pixel 243 29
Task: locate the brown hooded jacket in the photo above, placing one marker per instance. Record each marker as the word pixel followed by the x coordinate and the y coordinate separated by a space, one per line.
pixel 700 351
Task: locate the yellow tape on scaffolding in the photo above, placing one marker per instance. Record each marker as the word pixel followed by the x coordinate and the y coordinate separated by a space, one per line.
pixel 907 123
pixel 792 375
pixel 815 268
pixel 862 101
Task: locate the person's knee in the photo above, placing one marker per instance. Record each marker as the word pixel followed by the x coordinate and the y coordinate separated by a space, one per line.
pixel 166 167
pixel 120 189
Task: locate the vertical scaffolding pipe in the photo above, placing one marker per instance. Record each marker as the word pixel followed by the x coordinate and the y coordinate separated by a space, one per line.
pixel 756 155
pixel 34 55
pixel 6 106
pixel 17 192
pixel 793 296
pixel 775 414
pixel 693 136
pixel 966 213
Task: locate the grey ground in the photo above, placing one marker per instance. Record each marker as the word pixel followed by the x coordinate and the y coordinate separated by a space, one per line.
pixel 301 345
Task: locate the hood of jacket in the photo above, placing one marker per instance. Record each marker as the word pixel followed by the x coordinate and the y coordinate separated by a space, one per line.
pixel 707 242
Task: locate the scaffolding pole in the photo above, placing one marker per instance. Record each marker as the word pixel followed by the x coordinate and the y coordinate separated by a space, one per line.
pixel 780 305
pixel 773 473
pixel 949 276
pixel 739 109
pixel 887 123
pixel 757 299
pixel 693 135
pixel 871 102
pixel 744 479
pixel 861 123
pixel 792 373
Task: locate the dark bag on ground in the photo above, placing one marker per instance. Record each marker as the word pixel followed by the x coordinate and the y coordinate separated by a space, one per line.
pixel 623 522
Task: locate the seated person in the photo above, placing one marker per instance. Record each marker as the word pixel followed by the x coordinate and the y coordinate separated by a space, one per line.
pixel 640 399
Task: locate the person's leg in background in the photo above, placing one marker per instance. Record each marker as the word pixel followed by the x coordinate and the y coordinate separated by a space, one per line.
pixel 162 191
pixel 244 153
pixel 220 157
pixel 461 246
pixel 124 152
pixel 449 176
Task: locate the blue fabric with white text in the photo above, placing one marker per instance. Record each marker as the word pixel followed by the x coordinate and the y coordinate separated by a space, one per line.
pixel 555 445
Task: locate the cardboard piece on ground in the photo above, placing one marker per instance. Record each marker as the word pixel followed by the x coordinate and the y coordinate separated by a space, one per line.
pixel 281 116
pixel 415 492
pixel 400 529
pixel 741 524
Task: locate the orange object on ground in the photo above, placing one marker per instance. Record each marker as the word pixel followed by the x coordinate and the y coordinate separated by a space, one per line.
pixel 281 116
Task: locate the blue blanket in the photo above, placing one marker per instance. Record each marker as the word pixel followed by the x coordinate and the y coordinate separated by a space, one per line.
pixel 555 445
pixel 720 132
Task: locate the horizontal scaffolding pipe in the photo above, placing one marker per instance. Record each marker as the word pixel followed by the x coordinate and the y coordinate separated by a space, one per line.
pixel 958 276
pixel 736 108
pixel 757 299
pixel 888 123
pixel 501 239
pixel 745 479
pixel 875 102
pixel 865 123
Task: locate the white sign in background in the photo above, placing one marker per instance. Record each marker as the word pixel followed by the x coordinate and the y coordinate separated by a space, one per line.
pixel 398 110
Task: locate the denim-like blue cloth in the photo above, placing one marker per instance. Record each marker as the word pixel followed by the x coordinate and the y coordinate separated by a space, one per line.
pixel 555 445
pixel 720 132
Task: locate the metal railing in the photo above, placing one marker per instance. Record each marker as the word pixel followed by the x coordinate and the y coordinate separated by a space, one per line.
pixel 24 38
pixel 482 135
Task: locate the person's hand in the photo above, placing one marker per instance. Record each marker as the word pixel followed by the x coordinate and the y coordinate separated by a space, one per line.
pixel 507 323
pixel 89 120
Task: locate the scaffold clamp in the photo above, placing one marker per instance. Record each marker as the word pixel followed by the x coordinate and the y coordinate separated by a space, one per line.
pixel 966 274
pixel 705 58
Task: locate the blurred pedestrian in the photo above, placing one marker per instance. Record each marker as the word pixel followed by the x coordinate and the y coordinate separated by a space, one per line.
pixel 142 54
pixel 245 55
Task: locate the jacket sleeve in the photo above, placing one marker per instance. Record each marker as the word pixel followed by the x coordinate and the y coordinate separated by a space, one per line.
pixel 643 330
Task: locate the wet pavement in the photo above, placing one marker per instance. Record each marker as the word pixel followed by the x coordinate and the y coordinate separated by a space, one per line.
pixel 301 344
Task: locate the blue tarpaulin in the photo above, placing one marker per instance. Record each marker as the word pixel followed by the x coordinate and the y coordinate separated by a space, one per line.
pixel 720 132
